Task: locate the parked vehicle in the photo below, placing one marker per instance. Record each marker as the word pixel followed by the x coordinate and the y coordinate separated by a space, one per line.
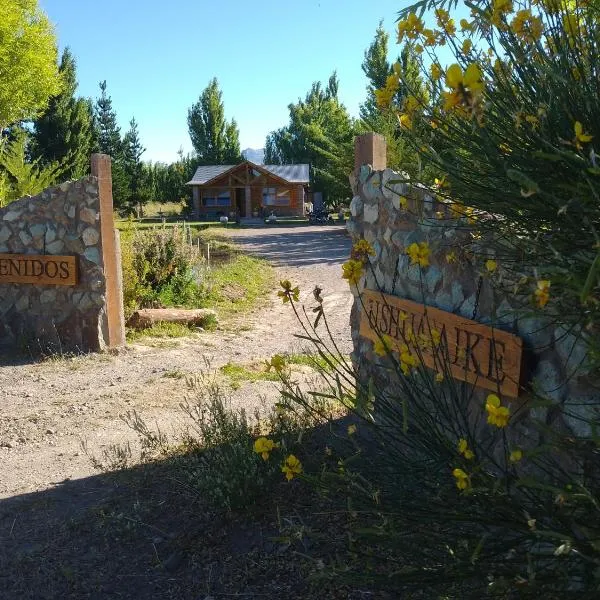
pixel 319 217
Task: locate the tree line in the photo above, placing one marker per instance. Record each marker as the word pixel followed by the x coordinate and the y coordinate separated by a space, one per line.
pixel 48 131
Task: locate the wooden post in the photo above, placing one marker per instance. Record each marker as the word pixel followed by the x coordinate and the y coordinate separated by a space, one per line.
pixel 370 149
pixel 114 324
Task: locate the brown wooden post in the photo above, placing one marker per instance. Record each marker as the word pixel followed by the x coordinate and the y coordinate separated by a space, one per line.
pixel 111 254
pixel 370 149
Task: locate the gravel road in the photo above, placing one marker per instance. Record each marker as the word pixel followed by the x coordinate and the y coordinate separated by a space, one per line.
pixel 49 407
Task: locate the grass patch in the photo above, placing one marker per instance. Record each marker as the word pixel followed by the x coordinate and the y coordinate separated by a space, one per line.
pixel 238 374
pixel 238 286
pixel 160 330
pixel 316 361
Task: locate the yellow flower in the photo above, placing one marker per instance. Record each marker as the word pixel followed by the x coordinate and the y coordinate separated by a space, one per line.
pixel 362 250
pixel 405 121
pixel 411 27
pixel 277 362
pixel 352 271
pixel 442 16
pixel 454 76
pixel 291 467
pixel 351 429
pixel 579 135
pixel 532 120
pixel 439 377
pixel 436 71
pixel 451 257
pixel 465 25
pixel 491 265
pixel 418 49
pixel 404 202
pixel 462 479
pixel 526 26
pixel 463 448
pixel 430 37
pixel 542 292
pixel 383 346
pixel 516 455
pixel 419 254
pixel 384 96
pixel 407 360
pixel 498 415
pixel 466 46
pixel 288 292
pixel 263 446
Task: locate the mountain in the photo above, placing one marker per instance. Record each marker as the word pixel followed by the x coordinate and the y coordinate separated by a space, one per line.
pixel 255 156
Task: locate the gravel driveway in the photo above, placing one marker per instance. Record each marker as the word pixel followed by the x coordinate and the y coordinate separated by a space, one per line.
pixel 48 408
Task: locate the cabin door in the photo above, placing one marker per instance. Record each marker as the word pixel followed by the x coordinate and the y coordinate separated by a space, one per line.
pixel 240 201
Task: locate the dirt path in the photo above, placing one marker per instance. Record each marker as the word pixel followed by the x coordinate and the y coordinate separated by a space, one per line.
pixel 48 408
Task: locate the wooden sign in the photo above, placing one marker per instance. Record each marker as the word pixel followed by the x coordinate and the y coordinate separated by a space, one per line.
pixel 41 270
pixel 478 354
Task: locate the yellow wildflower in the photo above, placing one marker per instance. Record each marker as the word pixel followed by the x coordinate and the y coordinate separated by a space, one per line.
pixel 436 71
pixel 466 46
pixel 526 26
pixel 462 479
pixel 463 448
pixel 384 96
pixel 580 136
pixel 404 202
pixel 542 292
pixel 277 362
pixel 407 360
pixel 465 25
pixel 439 377
pixel 405 121
pixel 419 254
pixel 288 293
pixel 491 265
pixel 498 415
pixel 411 27
pixel 291 467
pixel 532 120
pixel 263 446
pixel 383 345
pixel 351 429
pixel 418 49
pixel 451 257
pixel 516 455
pixel 352 271
pixel 430 37
pixel 362 250
pixel 500 8
pixel 442 16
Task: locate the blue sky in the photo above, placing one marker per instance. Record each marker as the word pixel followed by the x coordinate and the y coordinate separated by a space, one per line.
pixel 158 56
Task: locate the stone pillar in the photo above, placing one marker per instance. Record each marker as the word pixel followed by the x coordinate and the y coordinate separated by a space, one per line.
pixel 300 208
pixel 248 198
pixel 370 149
pixel 114 319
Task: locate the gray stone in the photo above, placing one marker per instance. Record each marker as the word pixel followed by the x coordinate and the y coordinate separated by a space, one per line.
pixel 70 211
pixel 458 296
pixel 356 206
pixel 536 331
pixel 371 213
pixel 48 296
pixel 364 172
pixel 22 302
pixel 87 215
pixel 548 381
pixel 37 230
pixel 398 239
pixel 90 236
pixel 467 307
pixel 50 235
pixel 12 215
pixel 444 302
pixel 92 255
pixel 571 350
pixel 25 238
pixel 55 247
pixel 505 314
pixel 433 276
pixel 5 234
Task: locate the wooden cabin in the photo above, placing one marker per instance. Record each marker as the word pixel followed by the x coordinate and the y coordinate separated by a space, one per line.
pixel 249 190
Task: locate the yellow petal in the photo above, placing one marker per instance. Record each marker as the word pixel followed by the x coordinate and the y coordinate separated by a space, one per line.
pixel 454 76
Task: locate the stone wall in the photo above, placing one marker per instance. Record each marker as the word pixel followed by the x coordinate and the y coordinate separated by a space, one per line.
pixel 62 220
pixel 392 215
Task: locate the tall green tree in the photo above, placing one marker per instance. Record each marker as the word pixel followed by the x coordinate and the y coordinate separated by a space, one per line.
pixel 28 61
pixel 321 133
pixel 215 140
pixel 64 133
pixel 138 179
pixel 108 141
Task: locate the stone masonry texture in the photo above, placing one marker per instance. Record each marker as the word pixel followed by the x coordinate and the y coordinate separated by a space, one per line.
pixel 62 220
pixel 391 214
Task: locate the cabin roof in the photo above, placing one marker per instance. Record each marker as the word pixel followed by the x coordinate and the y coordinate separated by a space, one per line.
pixel 291 173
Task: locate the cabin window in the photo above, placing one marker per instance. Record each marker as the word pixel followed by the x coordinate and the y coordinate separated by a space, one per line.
pixel 276 197
pixel 216 198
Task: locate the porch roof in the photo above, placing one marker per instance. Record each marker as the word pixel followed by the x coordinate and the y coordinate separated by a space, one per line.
pixel 299 173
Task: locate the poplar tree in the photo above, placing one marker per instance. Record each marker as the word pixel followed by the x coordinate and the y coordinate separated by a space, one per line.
pixel 138 192
pixel 215 140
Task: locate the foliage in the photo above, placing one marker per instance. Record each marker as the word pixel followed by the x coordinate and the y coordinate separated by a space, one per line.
pixel 28 61
pixel 159 269
pixel 167 183
pixel 321 133
pixel 512 135
pixel 64 132
pixel 138 183
pixel 108 139
pixel 215 140
pixel 160 330
pixel 20 177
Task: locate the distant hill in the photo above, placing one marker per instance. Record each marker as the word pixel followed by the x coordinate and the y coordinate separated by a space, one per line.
pixel 255 156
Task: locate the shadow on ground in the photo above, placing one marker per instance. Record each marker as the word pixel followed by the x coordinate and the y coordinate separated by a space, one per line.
pixel 298 247
pixel 141 533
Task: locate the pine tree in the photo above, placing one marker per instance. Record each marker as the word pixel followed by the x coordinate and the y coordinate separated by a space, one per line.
pixel 215 141
pixel 138 192
pixel 64 133
pixel 108 141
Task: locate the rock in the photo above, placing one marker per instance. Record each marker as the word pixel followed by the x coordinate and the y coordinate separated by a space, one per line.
pixel 37 230
pixel 90 236
pixel 370 213
pixel 549 382
pixel 356 206
pixel 12 215
pixel 458 296
pixel 87 215
pixel 5 234
pixel 433 276
pixel 25 238
pixel 144 318
pixel 92 255
pixel 55 247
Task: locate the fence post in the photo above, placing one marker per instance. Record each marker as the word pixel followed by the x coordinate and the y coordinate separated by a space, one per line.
pixel 114 322
pixel 370 149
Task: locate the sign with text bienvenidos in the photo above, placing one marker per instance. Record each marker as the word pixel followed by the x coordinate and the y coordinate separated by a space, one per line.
pixel 481 355
pixel 38 269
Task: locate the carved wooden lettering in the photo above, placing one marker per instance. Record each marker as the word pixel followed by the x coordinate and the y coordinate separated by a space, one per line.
pixel 41 270
pixel 481 355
